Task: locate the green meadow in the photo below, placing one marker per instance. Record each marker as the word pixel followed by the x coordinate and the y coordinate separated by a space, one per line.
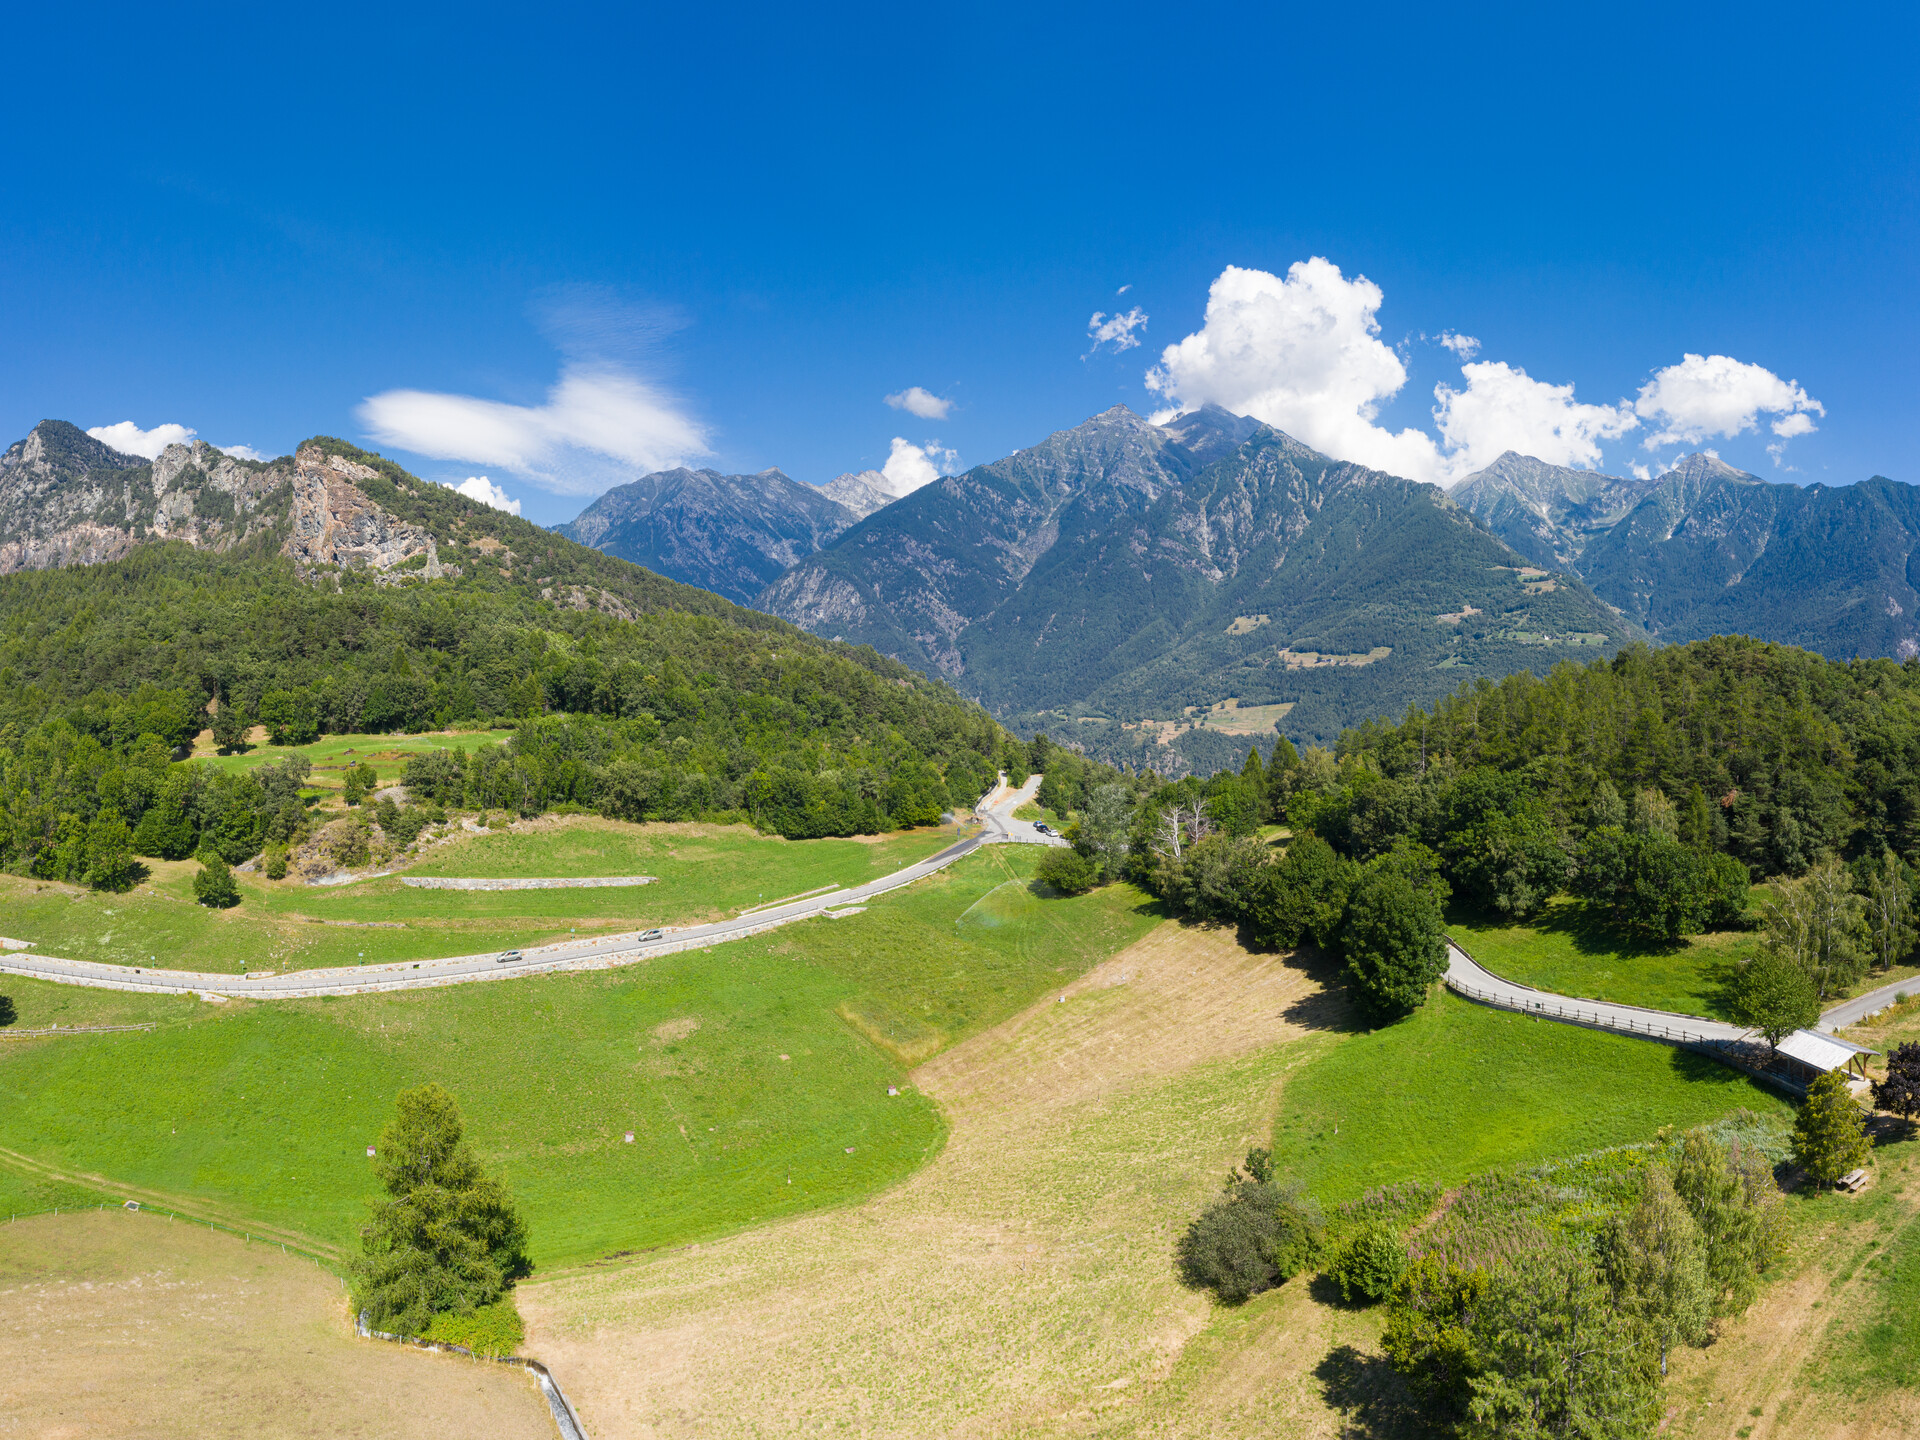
pixel 753 1076
pixel 703 872
pixel 1458 1088
pixel 388 754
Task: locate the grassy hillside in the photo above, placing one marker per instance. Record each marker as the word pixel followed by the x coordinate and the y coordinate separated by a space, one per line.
pixel 266 1109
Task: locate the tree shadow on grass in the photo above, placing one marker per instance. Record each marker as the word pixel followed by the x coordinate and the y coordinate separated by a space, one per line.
pixel 1371 1397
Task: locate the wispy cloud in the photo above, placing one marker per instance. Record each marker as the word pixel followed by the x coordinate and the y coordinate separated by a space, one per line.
pixel 1116 329
pixel 603 419
pixel 1465 346
pixel 924 403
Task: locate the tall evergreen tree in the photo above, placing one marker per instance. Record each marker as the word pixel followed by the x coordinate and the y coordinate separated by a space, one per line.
pixel 1829 1134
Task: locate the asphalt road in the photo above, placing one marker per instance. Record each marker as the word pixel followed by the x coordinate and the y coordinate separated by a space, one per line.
pixel 995 811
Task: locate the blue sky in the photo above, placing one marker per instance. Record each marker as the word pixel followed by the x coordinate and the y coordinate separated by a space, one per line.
pixel 727 236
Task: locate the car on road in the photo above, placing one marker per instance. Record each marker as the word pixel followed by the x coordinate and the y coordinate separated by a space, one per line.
pixel 653 934
pixel 1042 827
pixel 508 957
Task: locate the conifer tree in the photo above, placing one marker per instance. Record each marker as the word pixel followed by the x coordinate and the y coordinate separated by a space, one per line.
pixel 1829 1136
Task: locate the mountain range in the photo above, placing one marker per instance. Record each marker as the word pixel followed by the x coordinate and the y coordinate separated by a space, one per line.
pixel 731 534
pixel 1165 594
pixel 1707 549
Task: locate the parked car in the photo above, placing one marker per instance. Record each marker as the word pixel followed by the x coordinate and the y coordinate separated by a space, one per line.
pixel 1042 827
pixel 508 957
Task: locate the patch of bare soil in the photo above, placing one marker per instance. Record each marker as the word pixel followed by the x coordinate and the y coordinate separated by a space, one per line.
pixel 114 1324
pixel 1020 1284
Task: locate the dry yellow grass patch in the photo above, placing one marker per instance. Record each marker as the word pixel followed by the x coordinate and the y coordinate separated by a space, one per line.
pixel 1021 1283
pixel 118 1324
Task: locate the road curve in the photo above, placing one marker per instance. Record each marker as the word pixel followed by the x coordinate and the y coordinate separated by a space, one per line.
pixel 604 952
pixel 1466 976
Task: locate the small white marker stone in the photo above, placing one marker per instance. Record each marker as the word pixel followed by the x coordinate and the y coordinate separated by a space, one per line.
pixel 629 1137
pixel 369 1152
pixel 893 1090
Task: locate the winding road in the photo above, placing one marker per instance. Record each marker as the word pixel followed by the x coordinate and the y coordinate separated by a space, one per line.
pixel 998 827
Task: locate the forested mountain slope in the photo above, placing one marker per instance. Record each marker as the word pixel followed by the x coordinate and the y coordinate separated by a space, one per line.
pixel 1122 572
pixel 731 534
pixel 334 592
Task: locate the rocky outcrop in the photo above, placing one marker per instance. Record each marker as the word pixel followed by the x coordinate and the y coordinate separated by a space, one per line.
pixel 67 499
pixel 332 523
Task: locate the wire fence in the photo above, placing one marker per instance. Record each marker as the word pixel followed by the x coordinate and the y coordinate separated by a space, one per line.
pixel 329 1263
pixel 11 1034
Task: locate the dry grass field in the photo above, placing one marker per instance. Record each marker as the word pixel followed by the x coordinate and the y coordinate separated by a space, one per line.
pixel 115 1324
pixel 1017 1285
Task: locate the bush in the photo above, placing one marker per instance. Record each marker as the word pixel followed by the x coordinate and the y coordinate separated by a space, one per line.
pixel 494 1329
pixel 1256 1236
pixel 276 862
pixel 1369 1265
pixel 214 886
pixel 1067 871
pixel 8 1014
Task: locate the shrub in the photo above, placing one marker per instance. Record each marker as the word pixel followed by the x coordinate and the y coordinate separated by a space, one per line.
pixel 1900 1091
pixel 276 862
pixel 1369 1265
pixel 214 886
pixel 8 1014
pixel 1067 871
pixel 1254 1237
pixel 494 1329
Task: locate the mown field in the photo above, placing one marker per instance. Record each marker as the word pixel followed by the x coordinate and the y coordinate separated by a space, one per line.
pixel 704 872
pixel 747 1073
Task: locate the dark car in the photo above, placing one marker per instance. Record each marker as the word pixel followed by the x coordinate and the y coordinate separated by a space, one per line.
pixel 1042 827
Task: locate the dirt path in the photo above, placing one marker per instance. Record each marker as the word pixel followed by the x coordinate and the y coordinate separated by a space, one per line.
pixel 114 1324
pixel 1019 1284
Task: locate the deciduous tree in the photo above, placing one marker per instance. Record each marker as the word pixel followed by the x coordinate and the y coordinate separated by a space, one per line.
pixel 1773 995
pixel 1900 1091
pixel 1394 942
pixel 1655 1261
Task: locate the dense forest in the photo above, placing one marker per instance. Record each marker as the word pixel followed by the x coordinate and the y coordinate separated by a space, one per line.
pixel 659 702
pixel 1655 786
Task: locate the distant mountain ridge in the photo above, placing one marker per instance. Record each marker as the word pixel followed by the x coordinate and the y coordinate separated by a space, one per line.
pixel 1709 549
pixel 731 534
pixel 1129 585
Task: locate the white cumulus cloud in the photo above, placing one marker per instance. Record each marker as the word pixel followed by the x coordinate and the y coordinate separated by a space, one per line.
pixel 241 452
pixel 479 487
pixel 1503 408
pixel 1715 395
pixel 909 466
pixel 129 439
pixel 924 403
pixel 600 421
pixel 1116 329
pixel 1303 354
